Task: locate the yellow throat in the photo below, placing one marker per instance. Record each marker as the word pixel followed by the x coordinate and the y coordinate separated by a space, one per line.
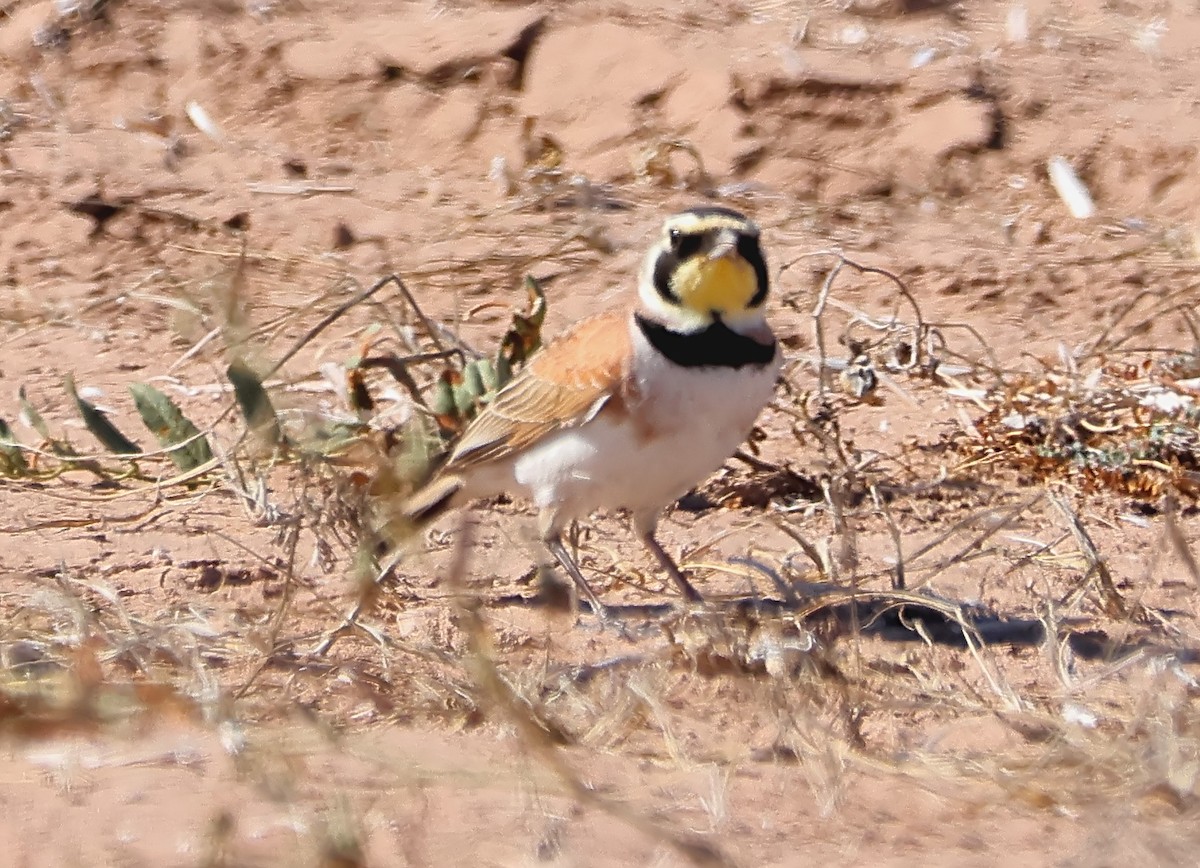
pixel 722 286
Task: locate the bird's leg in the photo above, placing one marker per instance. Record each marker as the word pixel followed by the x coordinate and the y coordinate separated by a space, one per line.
pixel 668 564
pixel 553 541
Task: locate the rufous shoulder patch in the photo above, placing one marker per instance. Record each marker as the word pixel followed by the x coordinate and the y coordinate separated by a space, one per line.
pixel 560 386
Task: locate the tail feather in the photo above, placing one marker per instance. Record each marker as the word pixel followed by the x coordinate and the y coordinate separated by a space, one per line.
pixel 438 496
pixel 396 525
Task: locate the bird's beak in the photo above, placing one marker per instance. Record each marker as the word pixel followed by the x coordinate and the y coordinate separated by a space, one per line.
pixel 725 245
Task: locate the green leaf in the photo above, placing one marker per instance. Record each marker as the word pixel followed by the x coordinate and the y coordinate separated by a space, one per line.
pixel 34 419
pixel 488 376
pixel 503 371
pixel 189 448
pixel 254 402
pixel 32 416
pixel 95 420
pixel 12 459
pixel 471 389
pixel 332 437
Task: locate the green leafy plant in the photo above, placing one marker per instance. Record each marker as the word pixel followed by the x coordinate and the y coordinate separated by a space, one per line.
pixel 189 448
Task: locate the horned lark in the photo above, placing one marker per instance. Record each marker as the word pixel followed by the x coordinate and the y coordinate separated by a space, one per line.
pixel 632 408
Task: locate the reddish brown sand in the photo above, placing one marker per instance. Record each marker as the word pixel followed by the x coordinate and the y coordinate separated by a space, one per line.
pixel 349 139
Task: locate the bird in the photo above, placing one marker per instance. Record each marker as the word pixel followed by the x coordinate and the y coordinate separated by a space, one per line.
pixel 632 408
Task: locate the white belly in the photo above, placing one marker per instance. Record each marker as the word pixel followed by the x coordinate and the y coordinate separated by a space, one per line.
pixel 698 416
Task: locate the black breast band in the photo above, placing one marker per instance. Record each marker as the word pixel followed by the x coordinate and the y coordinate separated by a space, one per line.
pixel 717 346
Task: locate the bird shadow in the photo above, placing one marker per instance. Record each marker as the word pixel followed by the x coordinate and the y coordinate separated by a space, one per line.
pixel 886 615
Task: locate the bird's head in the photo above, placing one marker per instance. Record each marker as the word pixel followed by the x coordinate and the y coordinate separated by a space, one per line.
pixel 707 266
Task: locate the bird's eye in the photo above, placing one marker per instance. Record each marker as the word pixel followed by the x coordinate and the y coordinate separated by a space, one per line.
pixel 673 236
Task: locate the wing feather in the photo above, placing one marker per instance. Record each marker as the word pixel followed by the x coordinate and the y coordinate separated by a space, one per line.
pixel 563 385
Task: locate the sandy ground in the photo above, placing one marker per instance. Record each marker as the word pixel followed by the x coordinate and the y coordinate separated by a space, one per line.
pixel 183 183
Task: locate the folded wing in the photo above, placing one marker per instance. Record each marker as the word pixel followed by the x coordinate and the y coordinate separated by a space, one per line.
pixel 566 383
